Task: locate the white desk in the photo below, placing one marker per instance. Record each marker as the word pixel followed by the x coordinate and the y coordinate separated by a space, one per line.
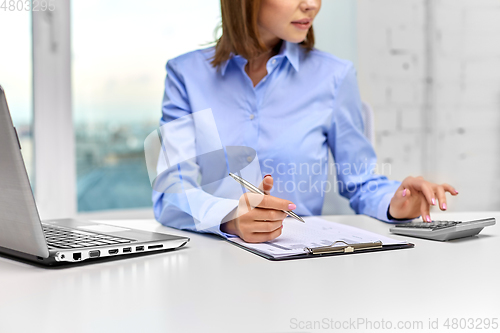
pixel 213 286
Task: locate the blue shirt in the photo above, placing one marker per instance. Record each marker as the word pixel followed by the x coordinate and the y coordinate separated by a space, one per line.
pixel 308 103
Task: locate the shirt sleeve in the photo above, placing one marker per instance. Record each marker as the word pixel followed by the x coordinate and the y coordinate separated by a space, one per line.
pixel 178 199
pixel 368 193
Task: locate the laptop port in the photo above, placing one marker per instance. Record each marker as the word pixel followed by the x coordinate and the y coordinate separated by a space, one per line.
pixel 127 249
pixel 114 251
pixel 139 248
pixel 151 247
pixel 94 254
pixel 77 256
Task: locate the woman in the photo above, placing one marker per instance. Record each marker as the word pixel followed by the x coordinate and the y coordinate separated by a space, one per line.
pixel 270 90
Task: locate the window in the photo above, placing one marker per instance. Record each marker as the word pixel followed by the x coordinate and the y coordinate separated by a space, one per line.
pixel 119 53
pixel 16 76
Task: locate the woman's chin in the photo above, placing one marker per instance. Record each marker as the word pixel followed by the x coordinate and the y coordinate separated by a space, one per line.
pixel 295 39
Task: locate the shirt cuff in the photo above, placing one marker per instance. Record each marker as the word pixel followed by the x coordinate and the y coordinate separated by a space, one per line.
pixel 217 214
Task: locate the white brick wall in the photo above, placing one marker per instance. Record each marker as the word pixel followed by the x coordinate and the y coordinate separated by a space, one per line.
pixel 468 91
pixel 391 71
pixel 446 128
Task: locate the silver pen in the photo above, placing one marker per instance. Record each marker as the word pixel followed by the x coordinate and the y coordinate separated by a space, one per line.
pixel 252 188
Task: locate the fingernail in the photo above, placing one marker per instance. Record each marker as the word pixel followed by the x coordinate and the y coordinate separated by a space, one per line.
pixel 456 191
pixel 444 205
pixel 282 226
pixel 404 193
pixel 291 206
pixel 267 176
pixel 428 218
pixel 433 201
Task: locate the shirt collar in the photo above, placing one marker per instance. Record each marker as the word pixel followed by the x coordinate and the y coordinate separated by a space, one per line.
pixel 292 52
pixel 288 50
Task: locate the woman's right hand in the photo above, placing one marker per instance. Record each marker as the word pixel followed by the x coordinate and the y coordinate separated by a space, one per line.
pixel 259 217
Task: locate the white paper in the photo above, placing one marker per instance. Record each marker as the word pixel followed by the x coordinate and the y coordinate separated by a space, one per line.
pixel 314 233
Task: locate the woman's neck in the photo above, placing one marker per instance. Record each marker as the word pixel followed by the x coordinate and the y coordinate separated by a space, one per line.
pixel 256 67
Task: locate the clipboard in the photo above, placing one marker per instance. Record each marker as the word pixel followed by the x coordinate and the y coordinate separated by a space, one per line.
pixel 319 238
pixel 333 250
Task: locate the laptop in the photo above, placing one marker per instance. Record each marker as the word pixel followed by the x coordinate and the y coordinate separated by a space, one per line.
pixel 23 235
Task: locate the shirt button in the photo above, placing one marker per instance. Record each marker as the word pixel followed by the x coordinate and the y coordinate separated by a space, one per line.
pixel 273 62
pixel 252 116
pixel 249 158
pixel 264 80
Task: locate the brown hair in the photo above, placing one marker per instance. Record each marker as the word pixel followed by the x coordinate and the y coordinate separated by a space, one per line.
pixel 240 34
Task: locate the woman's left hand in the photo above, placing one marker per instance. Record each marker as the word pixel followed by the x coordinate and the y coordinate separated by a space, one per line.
pixel 414 197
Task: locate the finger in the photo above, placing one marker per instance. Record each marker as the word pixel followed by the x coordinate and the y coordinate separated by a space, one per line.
pixel 449 188
pixel 428 192
pixel 249 201
pixel 261 226
pixel 267 184
pixel 402 195
pixel 271 202
pixel 424 210
pixel 264 214
pixel 260 237
pixel 441 195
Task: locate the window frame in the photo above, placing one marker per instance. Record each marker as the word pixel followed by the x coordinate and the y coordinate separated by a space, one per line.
pixel 54 141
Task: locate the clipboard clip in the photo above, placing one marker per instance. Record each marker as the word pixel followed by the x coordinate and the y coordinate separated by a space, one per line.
pixel 346 248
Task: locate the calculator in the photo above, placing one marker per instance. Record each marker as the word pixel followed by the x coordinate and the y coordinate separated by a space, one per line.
pixel 442 230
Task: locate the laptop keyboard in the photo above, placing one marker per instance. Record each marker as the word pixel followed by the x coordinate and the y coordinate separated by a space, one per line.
pixel 71 239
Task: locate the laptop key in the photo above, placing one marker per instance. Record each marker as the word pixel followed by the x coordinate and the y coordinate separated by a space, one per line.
pixel 60 246
pixel 109 242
